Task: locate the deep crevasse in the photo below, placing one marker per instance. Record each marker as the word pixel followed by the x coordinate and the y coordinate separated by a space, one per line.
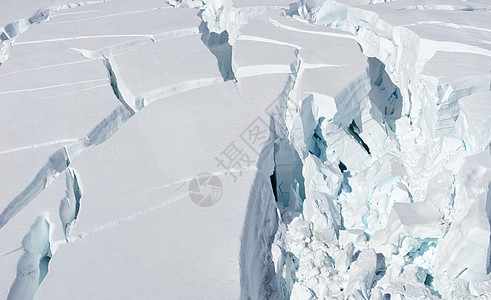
pixel 401 218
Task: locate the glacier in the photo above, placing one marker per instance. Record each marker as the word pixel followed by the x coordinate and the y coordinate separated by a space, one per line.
pixel 349 142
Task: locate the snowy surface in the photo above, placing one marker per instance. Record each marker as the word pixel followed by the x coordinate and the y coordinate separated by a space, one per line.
pixel 245 149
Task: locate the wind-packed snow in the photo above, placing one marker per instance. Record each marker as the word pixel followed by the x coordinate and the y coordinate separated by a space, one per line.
pixel 245 149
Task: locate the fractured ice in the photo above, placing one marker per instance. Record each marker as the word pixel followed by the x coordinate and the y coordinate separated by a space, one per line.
pixel 375 182
pixel 402 223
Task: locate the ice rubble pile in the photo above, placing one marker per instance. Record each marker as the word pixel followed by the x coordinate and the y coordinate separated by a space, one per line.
pixel 383 188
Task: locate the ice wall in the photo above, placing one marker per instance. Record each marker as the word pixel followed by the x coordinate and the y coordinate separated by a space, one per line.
pixel 386 165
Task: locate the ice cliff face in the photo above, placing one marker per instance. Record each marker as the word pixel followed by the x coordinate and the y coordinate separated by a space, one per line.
pixel 375 199
pixel 360 132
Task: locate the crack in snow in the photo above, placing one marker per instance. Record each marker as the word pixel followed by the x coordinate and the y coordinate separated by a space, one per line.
pixel 46 144
pixel 53 86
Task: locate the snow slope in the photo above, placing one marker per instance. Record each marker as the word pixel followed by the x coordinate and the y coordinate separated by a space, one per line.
pixel 245 149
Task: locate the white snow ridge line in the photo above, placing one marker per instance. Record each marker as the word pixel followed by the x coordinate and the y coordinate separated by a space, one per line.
pixel 257 70
pixel 52 86
pixel 266 40
pixel 127 218
pixel 39 145
pixel 84 38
